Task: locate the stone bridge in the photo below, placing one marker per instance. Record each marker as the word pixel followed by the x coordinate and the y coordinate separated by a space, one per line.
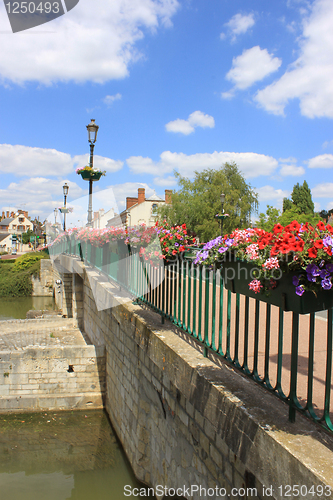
pixel 186 421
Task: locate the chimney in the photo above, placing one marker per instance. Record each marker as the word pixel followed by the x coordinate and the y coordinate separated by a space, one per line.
pixel 130 201
pixel 7 215
pixel 3 215
pixel 25 214
pixel 168 193
pixel 96 215
pixel 141 195
pixel 12 214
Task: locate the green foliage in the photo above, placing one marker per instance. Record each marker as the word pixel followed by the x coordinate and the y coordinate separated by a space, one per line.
pixel 273 216
pixel 302 199
pixel 197 202
pixel 28 259
pixel 26 236
pixel 15 275
pixel 269 219
pixel 287 204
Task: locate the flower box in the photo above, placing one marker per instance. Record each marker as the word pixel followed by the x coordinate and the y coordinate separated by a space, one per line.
pixel 237 276
pixel 94 176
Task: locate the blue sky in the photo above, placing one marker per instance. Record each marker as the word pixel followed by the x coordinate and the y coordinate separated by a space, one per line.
pixel 172 84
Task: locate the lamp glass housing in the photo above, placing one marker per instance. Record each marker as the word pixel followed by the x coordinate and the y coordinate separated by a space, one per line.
pixel 222 197
pixel 92 131
pixel 65 189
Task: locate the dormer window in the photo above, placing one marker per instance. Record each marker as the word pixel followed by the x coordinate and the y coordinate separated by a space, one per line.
pixel 21 219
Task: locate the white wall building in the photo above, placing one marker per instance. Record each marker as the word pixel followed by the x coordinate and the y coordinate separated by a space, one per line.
pixel 140 210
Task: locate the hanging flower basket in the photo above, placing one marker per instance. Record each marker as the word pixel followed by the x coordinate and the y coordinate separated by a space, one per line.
pixel 89 173
pixel 94 176
pixel 279 292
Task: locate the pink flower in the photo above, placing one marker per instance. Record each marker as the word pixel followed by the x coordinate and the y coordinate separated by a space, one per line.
pixel 255 285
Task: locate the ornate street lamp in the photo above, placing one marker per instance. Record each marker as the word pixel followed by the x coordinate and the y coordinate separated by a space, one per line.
pixel 55 216
pixel 92 137
pixel 65 189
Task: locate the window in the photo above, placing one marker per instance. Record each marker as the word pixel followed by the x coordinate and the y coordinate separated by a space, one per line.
pixel 154 209
pixel 21 219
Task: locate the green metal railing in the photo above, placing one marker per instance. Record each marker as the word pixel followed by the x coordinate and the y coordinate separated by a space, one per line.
pixel 277 349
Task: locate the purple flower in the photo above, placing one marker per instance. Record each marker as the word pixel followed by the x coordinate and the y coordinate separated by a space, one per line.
pixel 329 268
pixel 295 280
pixel 321 263
pixel 176 244
pixel 313 269
pixel 323 274
pixel 328 241
pixel 326 284
pixel 311 278
pixel 299 290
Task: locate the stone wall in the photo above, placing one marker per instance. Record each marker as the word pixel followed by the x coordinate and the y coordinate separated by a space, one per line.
pixel 188 421
pixel 42 285
pixel 59 378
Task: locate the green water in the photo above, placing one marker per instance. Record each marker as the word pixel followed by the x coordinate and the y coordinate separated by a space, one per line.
pixel 17 307
pixel 62 456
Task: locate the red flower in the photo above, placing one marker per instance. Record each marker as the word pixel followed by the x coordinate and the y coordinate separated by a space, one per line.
pixel 174 252
pixel 184 226
pixel 181 249
pixel 166 249
pixel 321 226
pixel 299 246
pixel 274 251
pixel 278 228
pixel 312 252
pixel 330 228
pixel 319 244
pixel 328 251
pixel 294 226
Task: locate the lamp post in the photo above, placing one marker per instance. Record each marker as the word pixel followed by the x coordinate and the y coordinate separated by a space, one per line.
pixel 222 198
pixel 92 136
pixel 55 216
pixel 65 189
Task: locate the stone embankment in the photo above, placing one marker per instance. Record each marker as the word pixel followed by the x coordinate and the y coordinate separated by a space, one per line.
pixel 47 364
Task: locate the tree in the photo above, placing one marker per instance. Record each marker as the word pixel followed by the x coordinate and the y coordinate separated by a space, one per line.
pixel 273 216
pixel 287 204
pixel 198 202
pixel 26 236
pixel 302 199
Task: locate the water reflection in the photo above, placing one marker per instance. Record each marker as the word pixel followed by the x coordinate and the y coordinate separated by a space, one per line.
pixel 61 456
pixel 17 307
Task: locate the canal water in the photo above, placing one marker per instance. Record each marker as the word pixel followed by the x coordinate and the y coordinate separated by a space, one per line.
pixel 62 456
pixel 17 307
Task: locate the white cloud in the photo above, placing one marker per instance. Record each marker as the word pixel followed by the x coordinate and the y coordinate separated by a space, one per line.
pixel 87 44
pixel 166 182
pixel 323 190
pixel 269 193
pixel 181 126
pixel 27 161
pixel 238 25
pixel 251 164
pixel 327 144
pixel 100 162
pixel 291 159
pixel 291 170
pixel 109 99
pixel 252 66
pixel 195 119
pixel 321 161
pixel 310 78
pixel 38 195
